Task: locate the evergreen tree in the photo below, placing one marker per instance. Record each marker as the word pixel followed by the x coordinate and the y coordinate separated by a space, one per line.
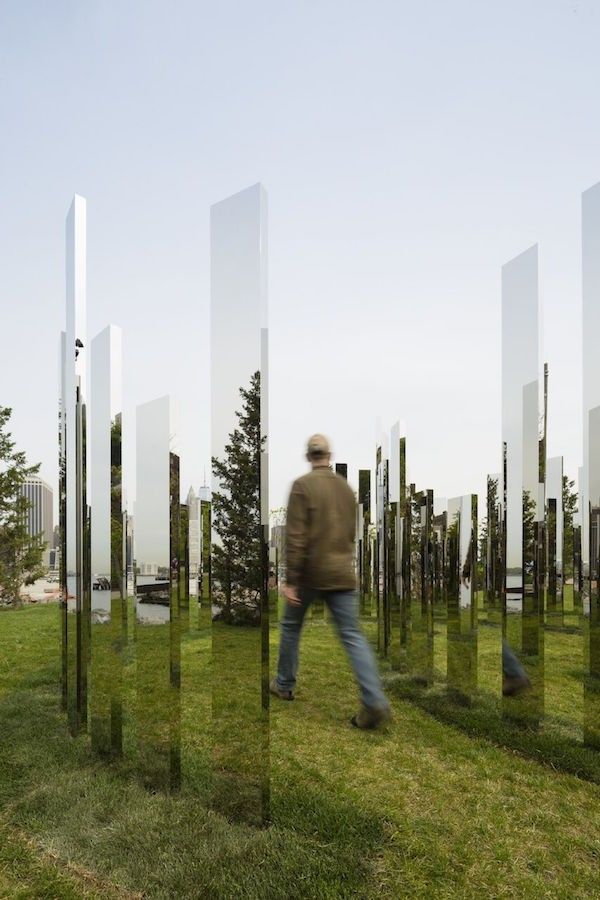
pixel 237 566
pixel 20 554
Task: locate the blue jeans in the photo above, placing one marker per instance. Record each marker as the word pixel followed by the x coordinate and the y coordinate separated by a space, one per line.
pixel 511 667
pixel 343 606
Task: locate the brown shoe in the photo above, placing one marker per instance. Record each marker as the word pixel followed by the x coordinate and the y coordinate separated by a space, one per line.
pixel 511 686
pixel 277 692
pixel 371 716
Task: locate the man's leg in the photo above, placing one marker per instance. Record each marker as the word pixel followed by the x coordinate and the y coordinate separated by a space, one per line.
pixel 344 609
pixel 290 628
pixel 515 678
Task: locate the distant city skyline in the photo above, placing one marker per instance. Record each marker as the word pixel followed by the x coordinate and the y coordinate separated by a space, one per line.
pixel 395 196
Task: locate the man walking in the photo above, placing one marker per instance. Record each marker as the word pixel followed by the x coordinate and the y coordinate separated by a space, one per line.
pixel 320 531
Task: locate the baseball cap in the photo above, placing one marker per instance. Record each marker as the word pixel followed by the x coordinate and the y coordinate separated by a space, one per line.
pixel 318 445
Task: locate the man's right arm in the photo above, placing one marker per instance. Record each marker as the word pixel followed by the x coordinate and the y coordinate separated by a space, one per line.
pixel 296 534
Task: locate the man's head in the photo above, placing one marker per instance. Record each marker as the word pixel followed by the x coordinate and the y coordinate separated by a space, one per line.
pixel 318 451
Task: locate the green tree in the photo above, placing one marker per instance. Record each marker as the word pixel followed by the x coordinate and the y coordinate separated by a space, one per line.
pixel 20 554
pixel 489 541
pixel 237 566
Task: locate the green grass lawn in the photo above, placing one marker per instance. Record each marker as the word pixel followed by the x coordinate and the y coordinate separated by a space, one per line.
pixel 424 809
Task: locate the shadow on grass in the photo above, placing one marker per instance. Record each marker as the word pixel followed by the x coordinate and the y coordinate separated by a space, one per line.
pixel 551 744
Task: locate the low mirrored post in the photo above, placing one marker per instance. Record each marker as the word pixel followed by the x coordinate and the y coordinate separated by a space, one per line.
pixel 194 556
pixel 577 570
pixel 420 650
pixel 108 587
pixel 157 534
pixel 204 613
pixel 591 597
pixel 364 499
pixel 462 597
pixel 554 542
pixel 404 560
pixel 184 568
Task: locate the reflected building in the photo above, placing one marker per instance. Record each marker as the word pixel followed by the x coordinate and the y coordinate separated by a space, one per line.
pixel 40 515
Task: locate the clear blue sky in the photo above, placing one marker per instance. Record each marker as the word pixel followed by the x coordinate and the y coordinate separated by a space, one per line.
pixel 408 150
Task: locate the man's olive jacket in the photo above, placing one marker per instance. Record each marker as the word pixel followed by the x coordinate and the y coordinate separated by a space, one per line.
pixel 320 532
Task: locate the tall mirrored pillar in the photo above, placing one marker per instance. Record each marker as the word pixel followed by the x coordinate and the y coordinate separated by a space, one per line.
pixel 523 486
pixel 62 520
pixel 240 511
pixel 108 587
pixel 590 487
pixel 157 625
pixel 77 623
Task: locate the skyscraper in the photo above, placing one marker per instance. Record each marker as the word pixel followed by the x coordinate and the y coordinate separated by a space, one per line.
pixel 40 517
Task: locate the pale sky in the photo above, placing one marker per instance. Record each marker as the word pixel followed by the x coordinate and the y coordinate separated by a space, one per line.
pixel 408 151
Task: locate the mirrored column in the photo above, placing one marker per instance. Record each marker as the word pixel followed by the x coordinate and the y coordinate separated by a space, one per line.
pixel 184 568
pixel 157 634
pixel 590 486
pixel 364 499
pixel 108 587
pixel 577 549
pixel 393 553
pixel 524 479
pixel 62 521
pixel 78 596
pixel 591 597
pixel 404 558
pixel 554 542
pixel 204 612
pixel 240 511
pixel 493 586
pixel 420 644
pixel 342 469
pixel 194 556
pixel 381 546
pixel 462 596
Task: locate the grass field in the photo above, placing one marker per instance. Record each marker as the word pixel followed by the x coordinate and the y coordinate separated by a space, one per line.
pixel 424 809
